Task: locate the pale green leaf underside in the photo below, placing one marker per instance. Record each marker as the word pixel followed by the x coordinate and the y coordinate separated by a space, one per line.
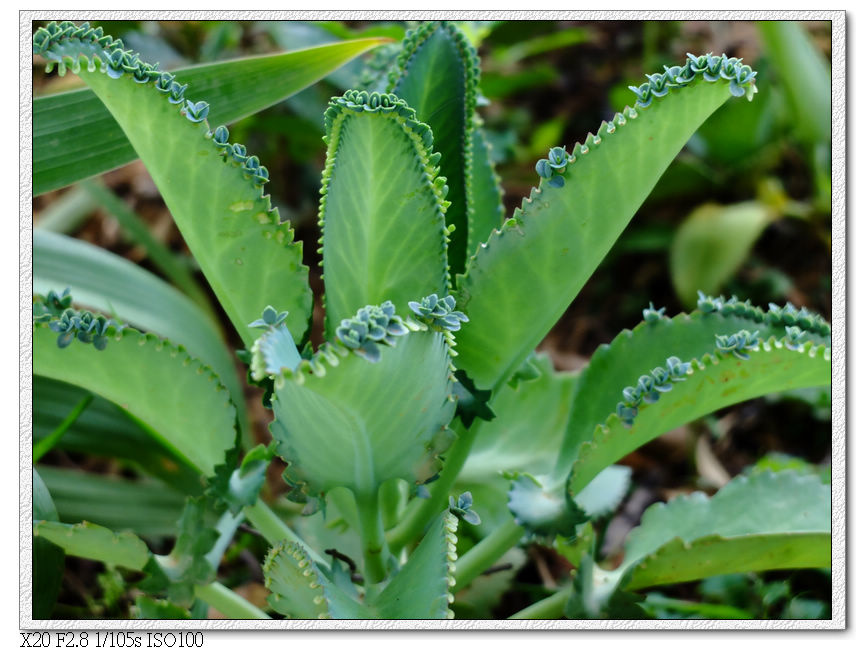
pixel 364 423
pixel 105 430
pixel 760 522
pixel 383 229
pixel 717 380
pixel 605 492
pixel 636 352
pixel 524 436
pixel 75 136
pixel 527 273
pixel 247 256
pixel 435 80
pixel 95 542
pixel 539 503
pixel 527 430
pixel 108 283
pixel 155 382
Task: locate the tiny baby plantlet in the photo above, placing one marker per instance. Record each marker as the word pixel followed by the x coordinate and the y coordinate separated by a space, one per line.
pixel 425 421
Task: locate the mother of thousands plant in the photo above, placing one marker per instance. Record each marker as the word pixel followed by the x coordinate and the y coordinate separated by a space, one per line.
pixel 427 404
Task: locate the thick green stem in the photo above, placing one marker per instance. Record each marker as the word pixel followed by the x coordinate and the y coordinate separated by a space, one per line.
pixel 482 556
pixel 224 600
pixel 422 511
pixel 375 548
pixel 551 607
pixel 391 500
pixel 266 522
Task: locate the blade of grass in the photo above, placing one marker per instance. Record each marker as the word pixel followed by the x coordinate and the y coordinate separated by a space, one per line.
pixel 46 444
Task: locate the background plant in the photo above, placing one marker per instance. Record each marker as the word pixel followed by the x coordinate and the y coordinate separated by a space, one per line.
pixel 737 345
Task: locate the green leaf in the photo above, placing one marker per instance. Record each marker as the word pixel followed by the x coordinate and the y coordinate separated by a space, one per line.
pixel 527 429
pixel 153 380
pixel 660 606
pixel 524 436
pixel 113 285
pixel 167 262
pixel 43 504
pixel 67 212
pixel 43 446
pixel 488 211
pixel 755 523
pixel 247 255
pixel 805 77
pixel 272 352
pixel 541 506
pixel 105 430
pixel 187 563
pixel 75 136
pixel 527 273
pixel 711 244
pixel 605 492
pixel 302 589
pixel 48 558
pixel 150 609
pixel 714 381
pixel 95 543
pixel 144 507
pixel 421 589
pixel 245 482
pixel 361 441
pixel 438 73
pixel 596 595
pixel 635 352
pixel 382 207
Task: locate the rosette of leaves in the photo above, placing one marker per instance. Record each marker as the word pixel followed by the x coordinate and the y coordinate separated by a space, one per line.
pixel 417 263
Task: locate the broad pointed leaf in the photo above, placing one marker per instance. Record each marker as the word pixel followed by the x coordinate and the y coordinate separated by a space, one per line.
pixel 382 207
pixel 636 352
pixel 154 381
pixel 437 73
pixel 95 543
pixel 714 381
pixel 107 431
pixel 212 188
pixel 760 522
pixel 372 421
pixel 754 523
pixel 421 589
pixel 528 272
pixel 113 285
